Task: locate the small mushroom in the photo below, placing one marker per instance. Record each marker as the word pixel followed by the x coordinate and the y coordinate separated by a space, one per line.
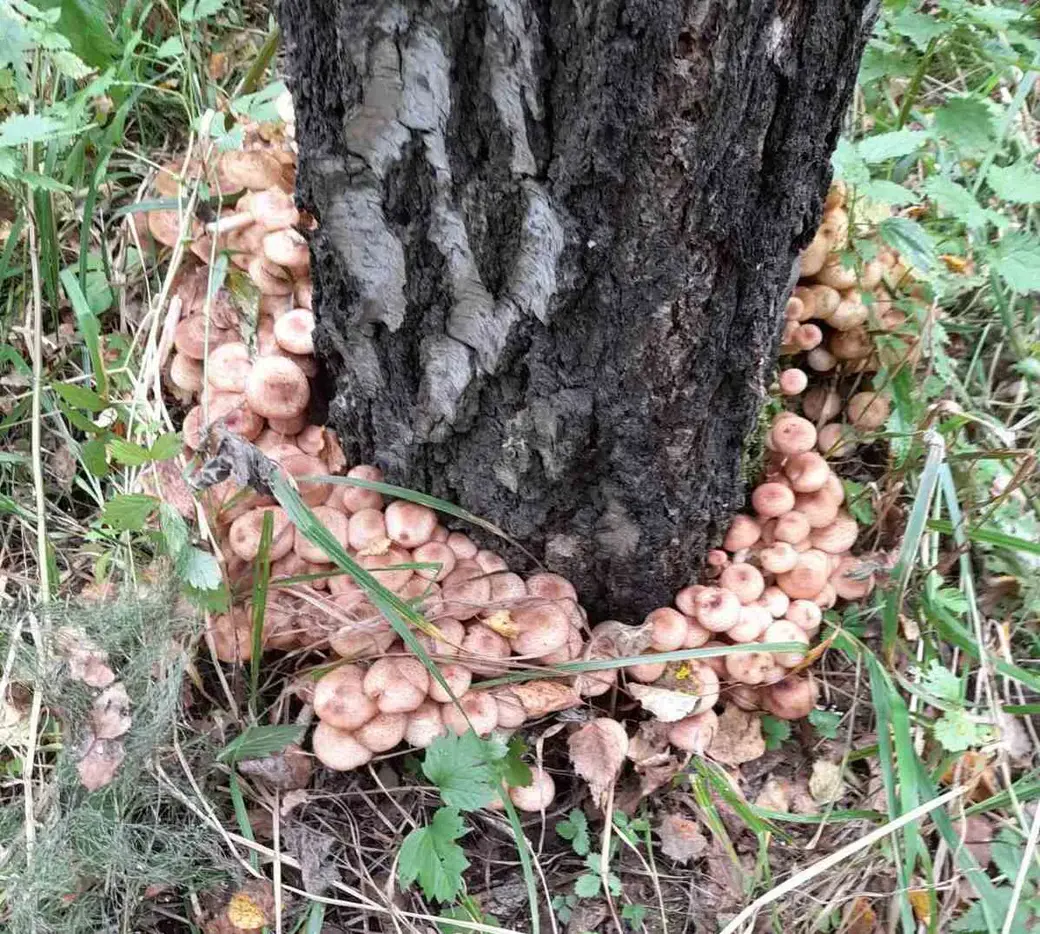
pixel 479 709
pixel 668 629
pixel 743 532
pixel 793 381
pixel 790 699
pixel 534 797
pixel 745 580
pixel 807 472
pixel 277 388
pixel 245 531
pixel 383 731
pixel 425 724
pixel 694 734
pixel 785 631
pixel 229 366
pixel 716 609
pixel 868 411
pixel 335 523
pixel 458 677
pixel 772 499
pixel 355 498
pixel 410 524
pixel 808 576
pixel 338 749
pixel 792 434
pixel 397 685
pixel 339 698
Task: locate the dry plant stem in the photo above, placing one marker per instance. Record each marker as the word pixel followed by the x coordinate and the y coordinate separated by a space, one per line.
pixel 604 859
pixel 276 873
pixel 654 878
pixel 836 859
pixel 43 566
pixel 1023 872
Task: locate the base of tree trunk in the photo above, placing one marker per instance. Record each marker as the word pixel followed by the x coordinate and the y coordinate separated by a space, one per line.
pixel 555 244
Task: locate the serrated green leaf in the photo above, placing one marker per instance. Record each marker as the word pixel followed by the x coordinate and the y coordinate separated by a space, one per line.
pixel 881 63
pixel 919 28
pixel 166 447
pixel 587 885
pixel 911 239
pixel 84 24
pixel 848 165
pixel 956 731
pixel 775 731
pixel 1018 183
pixel 893 145
pixel 883 191
pixel 80 397
pixel 460 766
pixel 174 529
pixel 940 682
pixel 974 919
pixel 966 122
pixel 128 453
pixel 217 600
pixel 94 457
pixel 171 48
pixel 199 569
pixel 1016 259
pixel 825 722
pixel 511 768
pixel 258 741
pixel 128 512
pixel 431 856
pixel 195 10
pixel 957 201
pixel 575 828
pixel 19 129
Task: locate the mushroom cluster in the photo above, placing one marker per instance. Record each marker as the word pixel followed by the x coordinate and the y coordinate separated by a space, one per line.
pixel 244 356
pixel 833 318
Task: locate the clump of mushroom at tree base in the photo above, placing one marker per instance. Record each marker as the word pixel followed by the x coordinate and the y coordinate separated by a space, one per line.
pixel 778 568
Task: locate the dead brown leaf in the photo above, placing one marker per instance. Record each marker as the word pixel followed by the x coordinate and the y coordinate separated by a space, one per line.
pixel 164 479
pixel 110 715
pixel 287 770
pixel 860 917
pixel 826 784
pixel 620 640
pixel 62 463
pixel 775 795
pixel 681 838
pixel 541 697
pixel 650 741
pixel 597 752
pixel 666 705
pixel 101 763
pixel 738 738
pixel 87 662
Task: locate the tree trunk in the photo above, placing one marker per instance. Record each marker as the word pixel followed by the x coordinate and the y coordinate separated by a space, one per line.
pixel 556 239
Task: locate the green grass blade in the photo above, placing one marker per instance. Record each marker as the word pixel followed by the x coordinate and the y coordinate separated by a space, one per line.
pixel 401 616
pixel 89 328
pixel 604 664
pixel 261 581
pixel 984 535
pixel 526 865
pixel 423 499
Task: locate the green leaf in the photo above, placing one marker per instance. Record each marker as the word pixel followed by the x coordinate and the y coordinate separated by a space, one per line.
pixel 891 145
pixel 258 741
pixel 883 191
pixel 587 885
pixel 634 915
pixel 88 325
pixel 460 766
pixel 511 767
pixel 957 201
pixel 19 129
pixel 1018 183
pixel 956 731
pixel 171 48
pixel 919 28
pixel 84 24
pixel 195 10
pixel 775 731
pixel 128 453
pixel 575 827
pixel 857 502
pixel 94 457
pixel 80 397
pixel 128 512
pixel 199 569
pixel 166 447
pixel 825 722
pixel 431 856
pixel 848 165
pixel 911 239
pixel 174 529
pixel 1016 259
pixel 940 682
pixel 966 122
pixel 974 919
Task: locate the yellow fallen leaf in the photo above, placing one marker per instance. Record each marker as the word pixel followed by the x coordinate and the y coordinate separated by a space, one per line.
pixel 921 904
pixel 955 263
pixel 501 621
pixel 244 913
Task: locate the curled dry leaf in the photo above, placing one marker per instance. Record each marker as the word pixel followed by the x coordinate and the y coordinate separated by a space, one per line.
pixel 860 917
pixel 666 705
pixel 681 838
pixel 775 795
pixel 738 738
pixel 86 660
pixel 650 742
pixel 825 783
pixel 541 697
pixel 110 714
pixel 287 770
pixel 292 800
pixel 252 906
pixel 164 479
pixel 597 752
pixel 101 763
pixel 619 640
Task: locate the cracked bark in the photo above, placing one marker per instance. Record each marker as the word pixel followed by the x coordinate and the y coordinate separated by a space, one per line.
pixel 555 243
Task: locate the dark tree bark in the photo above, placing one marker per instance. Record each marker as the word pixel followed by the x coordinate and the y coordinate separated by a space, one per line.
pixel 556 238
